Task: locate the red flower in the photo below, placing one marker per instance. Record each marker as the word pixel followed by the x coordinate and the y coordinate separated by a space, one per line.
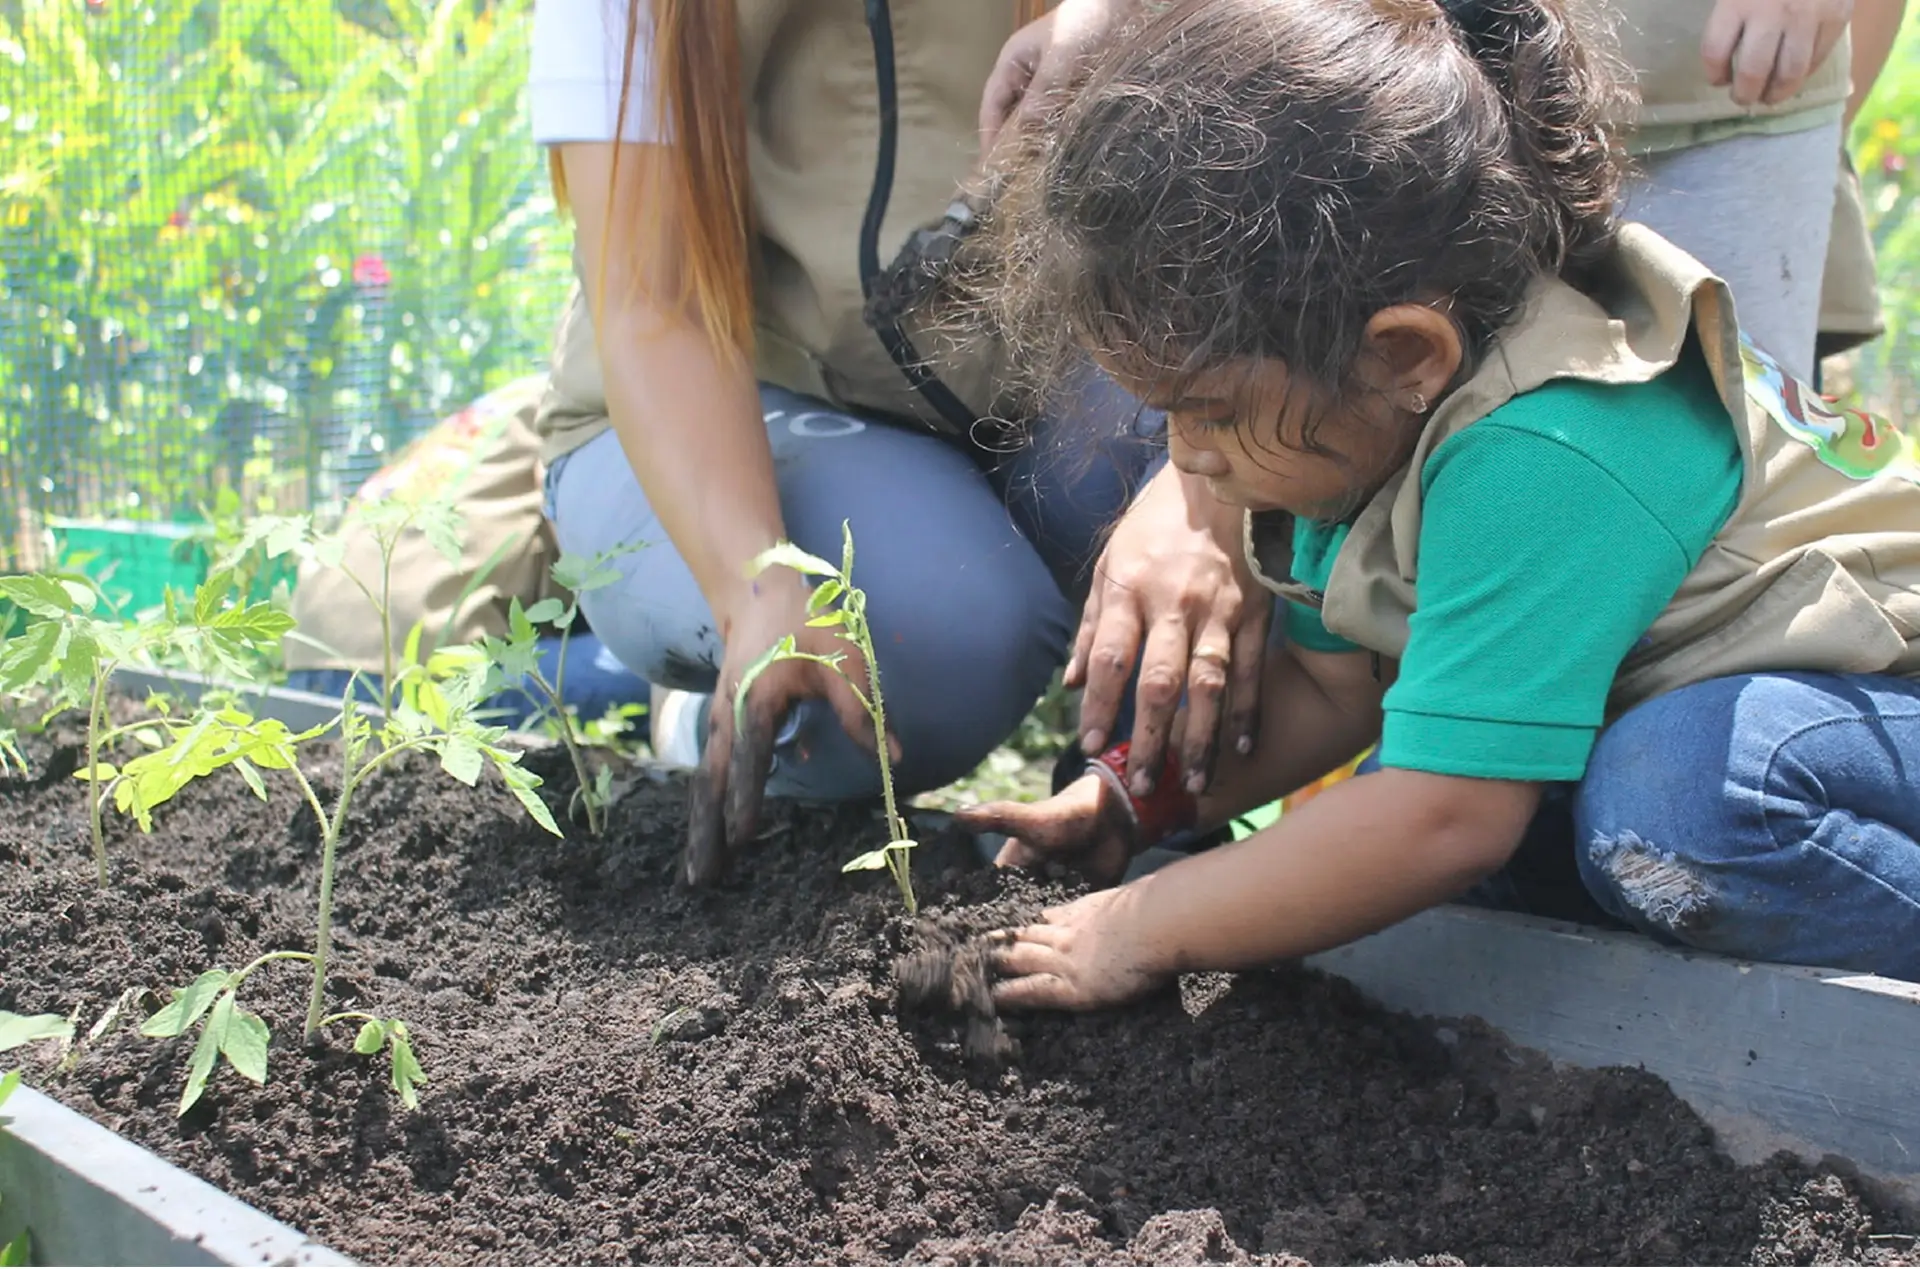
pixel 370 270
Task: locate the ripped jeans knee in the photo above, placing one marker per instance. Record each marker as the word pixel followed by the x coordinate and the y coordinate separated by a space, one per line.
pixel 1768 817
pixel 1652 889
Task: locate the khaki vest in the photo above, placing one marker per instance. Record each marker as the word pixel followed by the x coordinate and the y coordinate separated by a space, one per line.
pixel 1818 568
pixel 488 455
pixel 813 133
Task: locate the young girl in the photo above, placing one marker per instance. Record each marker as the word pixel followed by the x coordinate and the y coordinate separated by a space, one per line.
pixel 1545 522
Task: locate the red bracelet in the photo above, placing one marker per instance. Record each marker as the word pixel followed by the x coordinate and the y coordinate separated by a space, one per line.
pixel 1167 810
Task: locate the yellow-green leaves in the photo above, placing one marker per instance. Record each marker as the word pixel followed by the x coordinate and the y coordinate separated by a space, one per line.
pixel 228 1031
pixel 837 602
pixel 196 747
pixel 405 1075
pixel 16 1029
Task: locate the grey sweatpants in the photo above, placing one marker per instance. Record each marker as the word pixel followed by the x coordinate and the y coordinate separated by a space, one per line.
pixel 971 564
pixel 1757 210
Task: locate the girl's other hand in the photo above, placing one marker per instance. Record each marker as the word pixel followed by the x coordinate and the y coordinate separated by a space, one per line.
pixel 1173 592
pixel 1086 825
pixel 724 811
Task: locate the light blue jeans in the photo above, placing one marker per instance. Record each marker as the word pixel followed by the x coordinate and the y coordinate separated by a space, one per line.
pixel 973 563
pixel 1770 817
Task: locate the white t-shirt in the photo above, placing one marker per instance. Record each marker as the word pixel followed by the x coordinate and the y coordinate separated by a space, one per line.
pixel 573 82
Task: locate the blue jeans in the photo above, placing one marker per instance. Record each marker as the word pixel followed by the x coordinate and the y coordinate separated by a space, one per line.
pixel 1769 817
pixel 973 563
pixel 595 682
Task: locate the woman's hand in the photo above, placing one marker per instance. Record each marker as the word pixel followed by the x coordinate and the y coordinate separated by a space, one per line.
pixel 1088 954
pixel 1038 58
pixel 1766 49
pixel 725 809
pixel 1087 824
pixel 1173 592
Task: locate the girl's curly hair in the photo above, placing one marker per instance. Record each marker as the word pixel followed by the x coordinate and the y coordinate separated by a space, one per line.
pixel 1245 179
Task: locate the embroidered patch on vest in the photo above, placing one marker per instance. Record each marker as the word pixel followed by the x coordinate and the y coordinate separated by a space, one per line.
pixel 1852 442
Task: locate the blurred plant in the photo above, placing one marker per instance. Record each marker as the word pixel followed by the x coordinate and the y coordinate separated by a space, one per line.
pixel 242 240
pixel 1886 150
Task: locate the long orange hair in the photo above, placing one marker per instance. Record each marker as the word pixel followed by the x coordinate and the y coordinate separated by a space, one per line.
pixel 699 97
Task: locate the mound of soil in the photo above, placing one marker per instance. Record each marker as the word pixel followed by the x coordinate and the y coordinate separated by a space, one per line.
pixel 625 1071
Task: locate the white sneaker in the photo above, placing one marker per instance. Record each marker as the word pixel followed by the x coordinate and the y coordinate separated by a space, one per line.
pixel 677 725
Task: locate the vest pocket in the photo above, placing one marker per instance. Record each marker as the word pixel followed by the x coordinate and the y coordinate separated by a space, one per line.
pixel 1813 615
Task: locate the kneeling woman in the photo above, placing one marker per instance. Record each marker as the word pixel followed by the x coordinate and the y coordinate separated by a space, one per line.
pixel 1547 526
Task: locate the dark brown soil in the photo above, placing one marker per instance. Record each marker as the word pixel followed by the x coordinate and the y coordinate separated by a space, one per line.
pixel 623 1071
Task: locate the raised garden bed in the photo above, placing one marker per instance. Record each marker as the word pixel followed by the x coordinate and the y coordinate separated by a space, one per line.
pixel 623 1071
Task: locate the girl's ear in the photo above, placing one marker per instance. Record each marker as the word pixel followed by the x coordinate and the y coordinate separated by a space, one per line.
pixel 1412 353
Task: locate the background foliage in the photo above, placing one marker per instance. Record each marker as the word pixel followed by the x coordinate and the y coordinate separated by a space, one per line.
pixel 255 243
pixel 1886 149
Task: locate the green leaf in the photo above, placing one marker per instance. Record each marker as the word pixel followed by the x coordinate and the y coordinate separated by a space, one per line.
pixel 16 1030
pixel 98 773
pixel 205 1053
pixel 522 783
pixel 372 1035
pixel 187 1005
pixel 8 1082
pixel 461 759
pixel 872 861
pixel 780 651
pixel 846 551
pixel 83 597
pixel 410 650
pixel 580 575
pixel 407 1074
pixel 441 523
pixel 43 596
pixel 244 1039
pixel 824 594
pixel 546 612
pixel 835 618
pixel 252 777
pixel 258 625
pixel 786 554
pixel 519 626
pixel 33 657
pixel 207 597
pixel 18 1251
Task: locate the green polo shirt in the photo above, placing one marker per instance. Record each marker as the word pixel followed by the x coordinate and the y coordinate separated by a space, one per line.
pixel 1553 532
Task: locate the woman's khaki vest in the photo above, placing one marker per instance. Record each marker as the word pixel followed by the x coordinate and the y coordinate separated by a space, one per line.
pixel 813 132
pixel 1818 568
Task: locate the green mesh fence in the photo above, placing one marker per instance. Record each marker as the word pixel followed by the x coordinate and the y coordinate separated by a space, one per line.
pixel 254 245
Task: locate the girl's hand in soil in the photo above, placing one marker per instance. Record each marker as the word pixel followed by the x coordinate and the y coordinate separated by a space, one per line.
pixel 724 811
pixel 1766 48
pixel 1088 954
pixel 1086 824
pixel 1173 590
